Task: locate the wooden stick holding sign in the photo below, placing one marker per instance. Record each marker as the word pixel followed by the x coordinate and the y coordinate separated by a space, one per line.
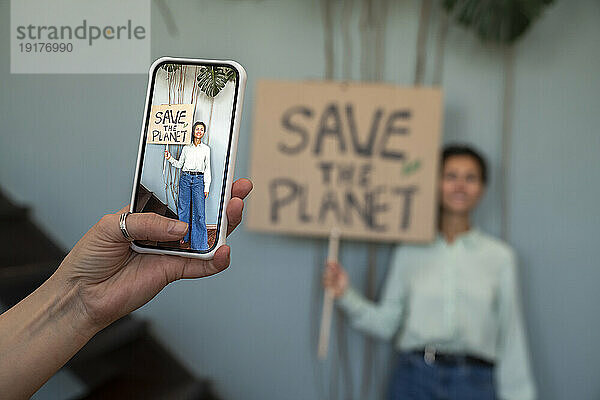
pixel 332 256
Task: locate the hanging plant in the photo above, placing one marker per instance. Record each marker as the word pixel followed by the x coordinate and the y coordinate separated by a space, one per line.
pixel 502 22
pixel 170 67
pixel 212 80
pixel 499 21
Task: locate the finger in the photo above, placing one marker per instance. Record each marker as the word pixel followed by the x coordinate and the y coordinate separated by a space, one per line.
pixel 222 258
pixel 194 268
pixel 151 226
pixel 107 222
pixel 241 188
pixel 234 213
pixel 143 226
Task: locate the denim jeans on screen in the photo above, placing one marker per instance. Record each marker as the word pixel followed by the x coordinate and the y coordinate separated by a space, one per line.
pixel 414 379
pixel 191 200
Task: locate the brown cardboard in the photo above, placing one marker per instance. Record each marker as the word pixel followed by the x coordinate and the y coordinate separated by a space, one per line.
pixel 170 124
pixel 360 157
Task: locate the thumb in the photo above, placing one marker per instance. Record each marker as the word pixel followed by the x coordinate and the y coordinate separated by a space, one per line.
pixel 151 226
pixel 145 226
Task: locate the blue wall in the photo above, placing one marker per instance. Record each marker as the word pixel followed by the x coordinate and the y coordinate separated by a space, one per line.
pixel 68 146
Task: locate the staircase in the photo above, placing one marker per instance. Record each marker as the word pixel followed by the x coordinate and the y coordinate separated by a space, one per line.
pixel 148 202
pixel 123 361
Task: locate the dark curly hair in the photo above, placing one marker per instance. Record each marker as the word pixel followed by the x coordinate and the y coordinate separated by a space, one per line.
pixel 464 150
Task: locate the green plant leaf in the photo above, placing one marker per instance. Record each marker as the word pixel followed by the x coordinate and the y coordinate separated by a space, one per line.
pixel 230 74
pixel 497 21
pixel 211 80
pixel 170 67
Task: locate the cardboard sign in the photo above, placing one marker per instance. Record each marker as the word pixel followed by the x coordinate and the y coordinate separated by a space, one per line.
pixel 359 157
pixel 170 124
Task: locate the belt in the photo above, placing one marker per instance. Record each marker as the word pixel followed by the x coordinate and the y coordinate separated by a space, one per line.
pixel 194 173
pixel 431 356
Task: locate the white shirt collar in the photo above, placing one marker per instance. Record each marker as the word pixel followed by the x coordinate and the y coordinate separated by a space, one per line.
pixel 468 238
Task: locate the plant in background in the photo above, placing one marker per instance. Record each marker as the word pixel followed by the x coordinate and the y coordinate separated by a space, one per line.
pixel 170 67
pixel 500 21
pixel 211 80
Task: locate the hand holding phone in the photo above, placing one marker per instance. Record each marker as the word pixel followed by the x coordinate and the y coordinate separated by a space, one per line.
pixel 193 111
pixel 101 261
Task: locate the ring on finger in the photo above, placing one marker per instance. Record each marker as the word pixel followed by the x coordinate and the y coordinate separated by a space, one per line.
pixel 123 226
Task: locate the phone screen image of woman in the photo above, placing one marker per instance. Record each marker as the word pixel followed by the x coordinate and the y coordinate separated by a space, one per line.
pixel 186 149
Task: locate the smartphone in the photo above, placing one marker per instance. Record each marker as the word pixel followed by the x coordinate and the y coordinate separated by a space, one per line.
pixel 187 150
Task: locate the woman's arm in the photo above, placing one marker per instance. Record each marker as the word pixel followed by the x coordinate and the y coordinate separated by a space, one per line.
pixel 99 281
pixel 380 319
pixel 38 335
pixel 513 370
pixel 175 162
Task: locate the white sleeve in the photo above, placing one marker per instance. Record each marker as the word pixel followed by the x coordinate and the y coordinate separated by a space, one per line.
pixel 381 319
pixel 513 370
pixel 178 163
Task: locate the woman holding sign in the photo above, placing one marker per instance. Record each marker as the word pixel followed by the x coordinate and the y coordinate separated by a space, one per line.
pixel 193 187
pixel 453 304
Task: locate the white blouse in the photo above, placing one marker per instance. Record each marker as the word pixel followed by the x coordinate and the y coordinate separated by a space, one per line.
pixel 460 298
pixel 194 158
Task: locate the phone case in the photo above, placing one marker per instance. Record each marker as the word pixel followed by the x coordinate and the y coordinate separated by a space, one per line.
pixel 238 101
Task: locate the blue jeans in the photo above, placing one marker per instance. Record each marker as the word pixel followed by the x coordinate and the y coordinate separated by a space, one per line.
pixel 414 379
pixel 191 201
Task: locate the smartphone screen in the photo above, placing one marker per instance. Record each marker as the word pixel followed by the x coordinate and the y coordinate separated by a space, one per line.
pixel 186 148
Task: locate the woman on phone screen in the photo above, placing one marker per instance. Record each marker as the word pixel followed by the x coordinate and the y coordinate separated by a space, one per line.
pixel 452 305
pixel 194 183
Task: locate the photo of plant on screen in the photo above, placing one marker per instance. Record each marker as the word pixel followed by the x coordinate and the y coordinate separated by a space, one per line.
pixel 186 147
